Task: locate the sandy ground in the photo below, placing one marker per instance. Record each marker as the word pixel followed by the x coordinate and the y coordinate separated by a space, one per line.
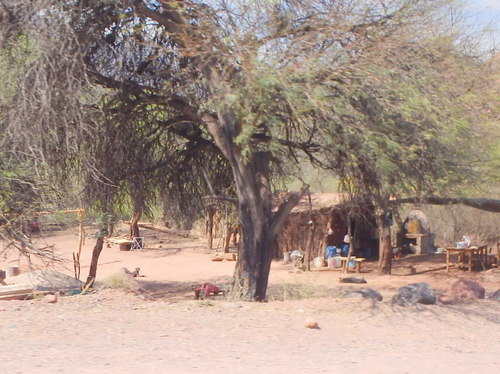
pixel 163 330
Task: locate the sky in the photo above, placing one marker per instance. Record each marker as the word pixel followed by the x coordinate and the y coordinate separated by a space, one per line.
pixel 485 14
pixel 486 4
pixel 485 10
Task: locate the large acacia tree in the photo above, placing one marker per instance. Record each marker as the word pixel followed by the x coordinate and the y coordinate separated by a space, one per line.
pixel 417 118
pixel 247 77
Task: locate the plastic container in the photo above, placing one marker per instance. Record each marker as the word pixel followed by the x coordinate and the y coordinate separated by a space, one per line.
pixel 345 249
pixel 319 262
pixel 330 251
pixel 335 262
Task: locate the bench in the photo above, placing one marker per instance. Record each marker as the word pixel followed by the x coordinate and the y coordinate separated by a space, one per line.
pixel 357 260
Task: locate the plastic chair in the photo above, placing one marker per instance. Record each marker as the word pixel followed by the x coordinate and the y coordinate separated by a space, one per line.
pixel 137 243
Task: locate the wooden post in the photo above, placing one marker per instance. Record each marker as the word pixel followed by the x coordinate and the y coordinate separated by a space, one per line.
pixel 210 226
pixel 134 224
pixel 227 238
pixel 93 263
pixel 351 243
pixel 81 241
pixel 448 261
pixel 310 235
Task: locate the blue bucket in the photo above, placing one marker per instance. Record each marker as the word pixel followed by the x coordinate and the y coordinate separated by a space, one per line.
pixel 330 251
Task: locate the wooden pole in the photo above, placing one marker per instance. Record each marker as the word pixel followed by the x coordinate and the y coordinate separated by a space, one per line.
pixel 310 235
pixel 351 243
pixel 93 263
pixel 81 242
pixel 210 226
pixel 227 238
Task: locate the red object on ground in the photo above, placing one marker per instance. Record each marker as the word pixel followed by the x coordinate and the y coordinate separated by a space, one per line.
pixel 207 289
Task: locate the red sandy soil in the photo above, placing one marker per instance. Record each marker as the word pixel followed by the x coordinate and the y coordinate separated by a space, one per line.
pixel 163 330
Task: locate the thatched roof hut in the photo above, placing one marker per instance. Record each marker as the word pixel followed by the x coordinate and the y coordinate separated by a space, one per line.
pixel 323 221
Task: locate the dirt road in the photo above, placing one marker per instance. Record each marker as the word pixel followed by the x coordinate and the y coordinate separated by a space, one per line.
pixel 164 331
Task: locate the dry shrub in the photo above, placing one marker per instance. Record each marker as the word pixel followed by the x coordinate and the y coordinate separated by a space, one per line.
pixel 296 291
pixel 121 281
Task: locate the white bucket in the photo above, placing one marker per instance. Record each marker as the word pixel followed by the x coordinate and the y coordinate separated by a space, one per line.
pixel 337 262
pixel 318 262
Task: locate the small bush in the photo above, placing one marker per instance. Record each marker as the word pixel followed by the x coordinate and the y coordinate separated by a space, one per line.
pixel 120 281
pixel 297 291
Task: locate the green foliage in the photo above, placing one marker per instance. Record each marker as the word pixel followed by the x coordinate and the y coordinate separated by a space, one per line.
pixel 398 132
pixel 19 192
pixel 15 58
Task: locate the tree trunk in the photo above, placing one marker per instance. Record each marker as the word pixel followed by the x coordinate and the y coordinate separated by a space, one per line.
pixel 384 234
pixel 110 229
pixel 134 224
pixel 259 225
pixel 255 204
pixel 236 232
pixel 210 226
pixel 309 244
pixel 93 263
pixel 227 238
pixel 310 236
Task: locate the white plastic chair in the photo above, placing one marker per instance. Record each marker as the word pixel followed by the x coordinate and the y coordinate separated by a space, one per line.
pixel 137 243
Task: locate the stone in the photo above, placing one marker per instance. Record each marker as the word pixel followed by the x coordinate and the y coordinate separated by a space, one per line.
pixel 415 293
pixel 47 280
pixel 311 323
pixel 463 289
pixel 352 280
pixel 496 295
pixel 50 299
pixel 366 293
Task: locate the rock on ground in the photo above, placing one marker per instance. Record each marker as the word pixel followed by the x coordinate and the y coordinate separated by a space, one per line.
pixel 463 289
pixel 366 293
pixel 50 299
pixel 311 323
pixel 352 280
pixel 47 280
pixel 496 295
pixel 415 293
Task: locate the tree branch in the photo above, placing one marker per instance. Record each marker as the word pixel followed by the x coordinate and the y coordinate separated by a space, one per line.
pixel 225 198
pixel 489 205
pixel 285 208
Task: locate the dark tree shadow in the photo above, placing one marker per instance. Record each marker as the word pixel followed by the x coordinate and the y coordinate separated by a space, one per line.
pixel 177 291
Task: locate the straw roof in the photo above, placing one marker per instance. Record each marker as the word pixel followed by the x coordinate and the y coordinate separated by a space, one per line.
pixel 319 201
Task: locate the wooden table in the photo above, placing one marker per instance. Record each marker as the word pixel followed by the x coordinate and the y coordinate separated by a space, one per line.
pixel 357 260
pixel 123 243
pixel 466 257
